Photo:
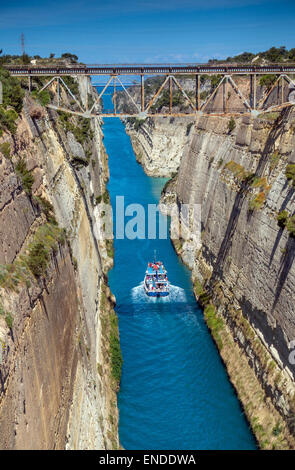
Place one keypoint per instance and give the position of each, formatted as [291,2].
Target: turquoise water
[174,392]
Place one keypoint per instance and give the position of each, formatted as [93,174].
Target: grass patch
[5,149]
[115,350]
[257,201]
[238,171]
[215,323]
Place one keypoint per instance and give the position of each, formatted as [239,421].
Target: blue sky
[146,31]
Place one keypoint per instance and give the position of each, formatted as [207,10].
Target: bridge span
[235,92]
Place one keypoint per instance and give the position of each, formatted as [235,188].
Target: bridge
[236,90]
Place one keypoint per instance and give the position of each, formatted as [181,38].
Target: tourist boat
[156,282]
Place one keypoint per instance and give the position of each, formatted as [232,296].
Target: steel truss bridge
[235,93]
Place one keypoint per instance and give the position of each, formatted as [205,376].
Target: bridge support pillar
[142,92]
[170,95]
[198,100]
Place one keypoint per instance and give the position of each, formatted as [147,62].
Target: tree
[71,57]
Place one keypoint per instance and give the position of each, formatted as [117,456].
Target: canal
[175,393]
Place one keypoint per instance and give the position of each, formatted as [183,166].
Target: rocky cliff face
[57,386]
[242,263]
[159,143]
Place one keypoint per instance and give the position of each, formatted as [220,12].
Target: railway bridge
[236,90]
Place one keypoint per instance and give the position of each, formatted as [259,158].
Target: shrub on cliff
[25,175]
[44,243]
[12,91]
[290,173]
[290,226]
[43,97]
[257,201]
[231,124]
[267,81]
[282,218]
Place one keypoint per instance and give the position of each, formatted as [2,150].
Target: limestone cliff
[57,385]
[158,143]
[242,264]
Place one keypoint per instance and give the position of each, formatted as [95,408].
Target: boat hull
[155,293]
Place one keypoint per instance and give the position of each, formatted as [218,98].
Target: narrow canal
[175,393]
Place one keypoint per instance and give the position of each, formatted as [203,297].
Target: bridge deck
[150,69]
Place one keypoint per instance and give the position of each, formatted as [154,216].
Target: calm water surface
[174,393]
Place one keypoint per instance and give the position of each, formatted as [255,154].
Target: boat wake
[177,294]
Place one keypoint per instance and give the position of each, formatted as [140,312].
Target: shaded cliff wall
[243,269]
[57,388]
[242,263]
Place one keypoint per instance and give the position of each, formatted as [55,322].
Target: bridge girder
[142,109]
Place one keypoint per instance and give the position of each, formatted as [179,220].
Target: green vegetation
[275,158]
[290,173]
[72,84]
[47,209]
[239,171]
[274,55]
[257,201]
[164,100]
[203,297]
[82,132]
[110,248]
[115,350]
[215,80]
[105,197]
[35,260]
[25,175]
[282,218]
[215,323]
[43,97]
[272,116]
[12,92]
[277,429]
[45,241]
[290,226]
[135,122]
[267,81]
[12,101]
[5,149]
[9,320]
[231,124]
[7,317]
